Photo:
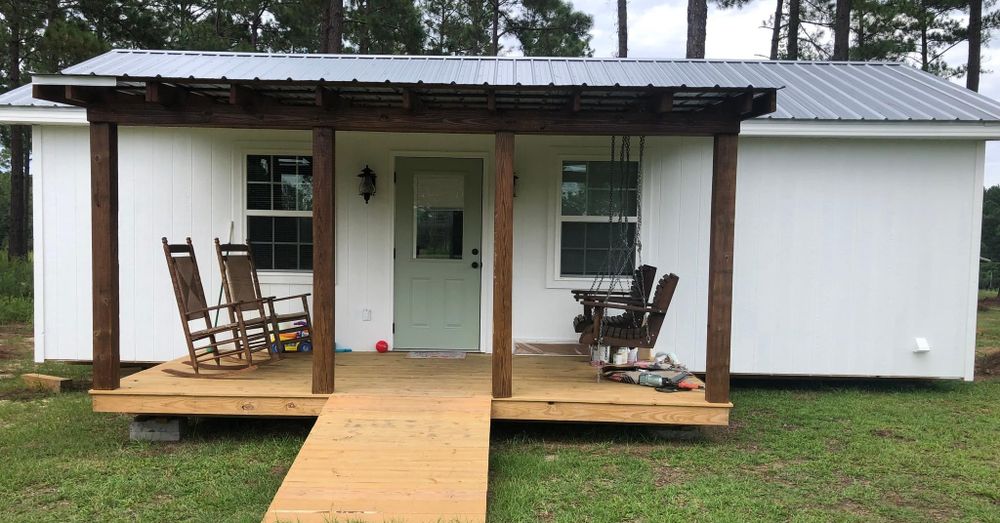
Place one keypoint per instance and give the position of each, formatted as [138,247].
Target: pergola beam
[463,121]
[104,253]
[324,259]
[720,268]
[503,259]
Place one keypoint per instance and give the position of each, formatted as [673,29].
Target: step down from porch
[390,458]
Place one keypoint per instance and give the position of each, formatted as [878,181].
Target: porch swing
[637,321]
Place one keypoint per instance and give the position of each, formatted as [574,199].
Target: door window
[438,216]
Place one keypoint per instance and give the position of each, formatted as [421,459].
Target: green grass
[796,451]
[15,290]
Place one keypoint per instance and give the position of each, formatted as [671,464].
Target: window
[438,216]
[592,192]
[279,211]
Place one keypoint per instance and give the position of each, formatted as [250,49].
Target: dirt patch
[890,434]
[24,395]
[988,365]
[665,475]
[15,341]
[279,470]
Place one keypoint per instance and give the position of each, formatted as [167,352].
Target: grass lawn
[803,451]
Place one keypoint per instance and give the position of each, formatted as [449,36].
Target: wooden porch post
[324,259]
[104,253]
[503,248]
[720,268]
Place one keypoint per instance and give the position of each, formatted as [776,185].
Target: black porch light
[367,186]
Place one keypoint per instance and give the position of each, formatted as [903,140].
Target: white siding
[845,250]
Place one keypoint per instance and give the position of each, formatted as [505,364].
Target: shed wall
[846,250]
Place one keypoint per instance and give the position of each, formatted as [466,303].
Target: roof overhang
[930,130]
[408,107]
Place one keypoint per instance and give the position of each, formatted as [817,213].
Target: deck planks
[390,458]
[548,388]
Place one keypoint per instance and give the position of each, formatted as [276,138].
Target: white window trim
[555,279]
[267,276]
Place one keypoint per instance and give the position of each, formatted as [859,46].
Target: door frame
[486,275]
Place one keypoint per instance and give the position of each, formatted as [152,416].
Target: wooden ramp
[390,458]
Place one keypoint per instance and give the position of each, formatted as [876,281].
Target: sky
[658,29]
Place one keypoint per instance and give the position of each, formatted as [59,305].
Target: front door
[438,253]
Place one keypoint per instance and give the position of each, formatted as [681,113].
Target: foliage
[990,246]
[15,290]
[553,28]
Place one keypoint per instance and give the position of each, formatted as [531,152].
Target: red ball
[382,346]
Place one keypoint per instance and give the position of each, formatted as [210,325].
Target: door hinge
[394,253]
[394,176]
[394,327]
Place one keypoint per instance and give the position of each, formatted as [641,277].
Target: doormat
[436,355]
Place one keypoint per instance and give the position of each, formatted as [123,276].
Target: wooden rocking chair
[638,293]
[239,279]
[240,337]
[642,335]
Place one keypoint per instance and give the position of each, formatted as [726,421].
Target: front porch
[545,388]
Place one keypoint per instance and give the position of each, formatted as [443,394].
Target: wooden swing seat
[650,315]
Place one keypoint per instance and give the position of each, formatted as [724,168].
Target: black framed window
[591,192]
[279,211]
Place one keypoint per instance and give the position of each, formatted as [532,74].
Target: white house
[856,233]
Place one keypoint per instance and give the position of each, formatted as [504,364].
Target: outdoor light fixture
[367,186]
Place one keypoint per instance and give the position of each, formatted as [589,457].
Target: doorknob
[475,265]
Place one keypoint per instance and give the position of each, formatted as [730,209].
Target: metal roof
[852,91]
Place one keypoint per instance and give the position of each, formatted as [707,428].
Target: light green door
[438,253]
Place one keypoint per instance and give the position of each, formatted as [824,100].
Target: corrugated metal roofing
[21,97]
[810,90]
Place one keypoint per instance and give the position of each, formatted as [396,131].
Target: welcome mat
[436,355]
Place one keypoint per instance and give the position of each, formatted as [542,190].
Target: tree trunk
[697,20]
[924,60]
[776,30]
[793,30]
[975,43]
[842,31]
[495,37]
[622,28]
[333,27]
[17,246]
[367,26]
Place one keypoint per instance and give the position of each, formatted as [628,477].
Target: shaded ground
[796,450]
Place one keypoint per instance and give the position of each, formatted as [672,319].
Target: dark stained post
[503,254]
[720,268]
[104,253]
[324,259]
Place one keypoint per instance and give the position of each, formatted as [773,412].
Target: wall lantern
[367,186]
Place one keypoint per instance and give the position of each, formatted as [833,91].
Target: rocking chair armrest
[622,306]
[598,292]
[292,297]
[221,306]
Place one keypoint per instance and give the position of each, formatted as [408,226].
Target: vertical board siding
[845,250]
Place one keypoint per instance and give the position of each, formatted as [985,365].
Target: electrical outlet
[366,315]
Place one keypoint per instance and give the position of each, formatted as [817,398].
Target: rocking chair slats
[240,282]
[239,337]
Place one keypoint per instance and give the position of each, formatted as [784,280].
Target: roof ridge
[634,59]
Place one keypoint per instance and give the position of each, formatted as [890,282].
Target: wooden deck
[390,458]
[545,388]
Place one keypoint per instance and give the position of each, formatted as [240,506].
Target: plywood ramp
[390,458]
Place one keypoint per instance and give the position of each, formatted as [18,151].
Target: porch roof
[826,91]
